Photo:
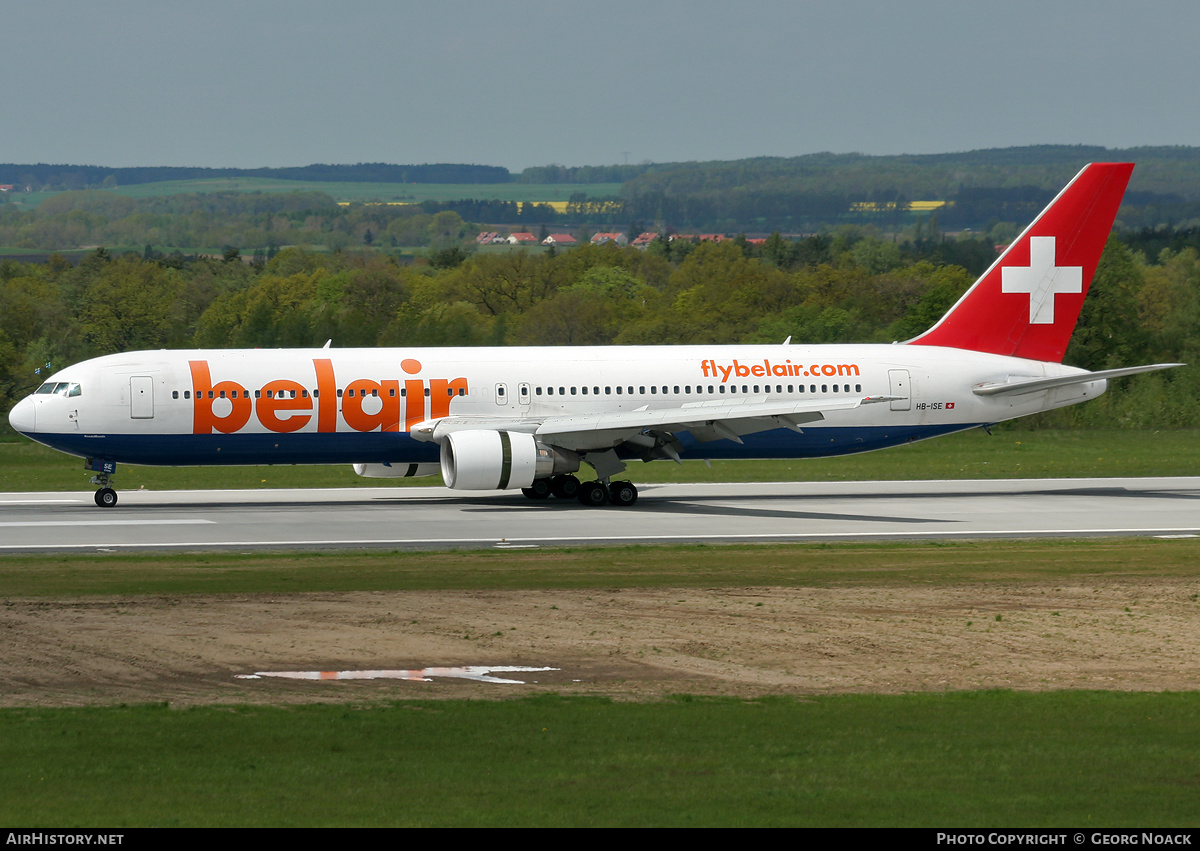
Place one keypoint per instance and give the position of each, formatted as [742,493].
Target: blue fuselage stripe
[175,450]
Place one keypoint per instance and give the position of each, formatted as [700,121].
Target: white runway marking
[478,673]
[41,501]
[26,524]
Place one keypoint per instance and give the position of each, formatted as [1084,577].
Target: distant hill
[970,189]
[42,175]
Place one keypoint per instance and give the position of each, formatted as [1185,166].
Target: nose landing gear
[106,497]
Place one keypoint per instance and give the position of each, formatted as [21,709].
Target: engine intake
[500,460]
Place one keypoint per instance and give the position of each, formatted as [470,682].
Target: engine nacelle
[500,460]
[396,471]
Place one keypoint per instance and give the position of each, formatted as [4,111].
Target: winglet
[1026,305]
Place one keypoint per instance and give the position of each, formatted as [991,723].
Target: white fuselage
[359,405]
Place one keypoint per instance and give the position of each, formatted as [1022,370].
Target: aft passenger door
[900,385]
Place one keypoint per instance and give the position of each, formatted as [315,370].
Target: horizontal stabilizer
[1033,385]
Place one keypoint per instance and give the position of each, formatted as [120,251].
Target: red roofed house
[523,238]
[618,238]
[559,239]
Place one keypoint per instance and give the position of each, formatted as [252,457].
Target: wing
[706,421]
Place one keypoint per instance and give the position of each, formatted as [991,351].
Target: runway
[435,517]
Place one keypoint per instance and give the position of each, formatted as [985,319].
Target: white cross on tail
[1041,280]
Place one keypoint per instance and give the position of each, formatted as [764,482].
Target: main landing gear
[592,494]
[106,497]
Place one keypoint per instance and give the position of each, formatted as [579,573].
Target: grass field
[927,564]
[991,758]
[346,191]
[26,466]
[962,759]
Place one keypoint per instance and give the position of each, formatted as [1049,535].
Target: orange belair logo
[766,369]
[285,406]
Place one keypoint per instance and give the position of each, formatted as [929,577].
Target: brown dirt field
[628,644]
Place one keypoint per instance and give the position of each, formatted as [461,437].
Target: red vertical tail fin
[1026,305]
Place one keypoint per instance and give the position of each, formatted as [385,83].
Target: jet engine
[500,460]
[396,471]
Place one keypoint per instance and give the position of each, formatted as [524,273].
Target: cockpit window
[60,388]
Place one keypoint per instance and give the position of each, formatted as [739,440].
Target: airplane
[529,418]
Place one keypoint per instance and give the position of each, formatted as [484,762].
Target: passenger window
[174,394]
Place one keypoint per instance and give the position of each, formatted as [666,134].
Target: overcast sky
[255,83]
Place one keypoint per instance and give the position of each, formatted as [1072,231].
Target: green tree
[1108,335]
[127,305]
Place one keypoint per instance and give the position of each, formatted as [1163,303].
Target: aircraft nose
[22,418]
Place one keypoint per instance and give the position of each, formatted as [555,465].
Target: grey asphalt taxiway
[435,517]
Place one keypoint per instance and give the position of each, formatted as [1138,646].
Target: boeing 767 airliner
[528,418]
